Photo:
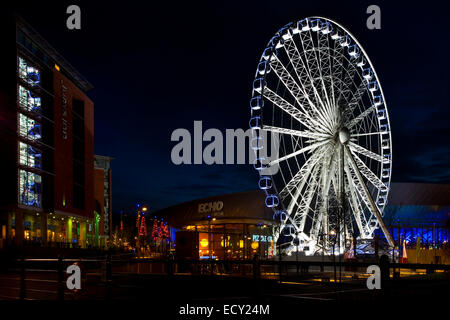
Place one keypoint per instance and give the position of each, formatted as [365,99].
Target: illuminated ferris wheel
[318,95]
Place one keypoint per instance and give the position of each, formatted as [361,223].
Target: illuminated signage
[262,238]
[210,207]
[64,110]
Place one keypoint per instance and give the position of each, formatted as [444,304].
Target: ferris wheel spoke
[298,181]
[359,192]
[329,163]
[344,93]
[304,134]
[366,134]
[365,152]
[294,112]
[356,98]
[358,212]
[356,120]
[312,61]
[336,70]
[367,173]
[324,53]
[374,208]
[294,89]
[303,209]
[302,72]
[296,153]
[312,64]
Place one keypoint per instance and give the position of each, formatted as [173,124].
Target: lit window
[28,100]
[29,156]
[29,128]
[29,74]
[29,188]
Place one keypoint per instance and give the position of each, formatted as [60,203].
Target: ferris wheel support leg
[374,207]
[342,228]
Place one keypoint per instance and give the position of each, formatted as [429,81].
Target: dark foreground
[175,295]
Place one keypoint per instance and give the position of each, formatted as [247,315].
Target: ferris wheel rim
[369,62]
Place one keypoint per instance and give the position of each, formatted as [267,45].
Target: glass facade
[29,156]
[30,183]
[29,128]
[28,73]
[29,188]
[28,100]
[234,241]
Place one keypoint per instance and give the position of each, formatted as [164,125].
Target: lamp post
[333,242]
[297,242]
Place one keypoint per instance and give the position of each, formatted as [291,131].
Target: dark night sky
[156,67]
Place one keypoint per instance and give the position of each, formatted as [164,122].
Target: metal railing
[45,278]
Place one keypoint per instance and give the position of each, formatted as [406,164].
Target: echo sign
[210,207]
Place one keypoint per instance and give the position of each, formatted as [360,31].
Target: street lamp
[333,242]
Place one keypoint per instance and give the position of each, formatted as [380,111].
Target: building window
[29,128]
[29,188]
[29,156]
[28,100]
[28,73]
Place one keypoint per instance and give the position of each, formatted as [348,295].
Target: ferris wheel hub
[344,135]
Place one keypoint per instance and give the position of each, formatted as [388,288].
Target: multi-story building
[47,144]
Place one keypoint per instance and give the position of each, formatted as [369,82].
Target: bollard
[170,265]
[256,267]
[108,291]
[22,278]
[384,270]
[60,279]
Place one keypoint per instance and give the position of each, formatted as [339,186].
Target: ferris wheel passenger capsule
[289,230]
[386,158]
[255,123]
[256,143]
[381,114]
[259,84]
[386,173]
[361,62]
[265,182]
[280,215]
[377,101]
[336,34]
[373,86]
[353,51]
[382,200]
[263,67]
[275,42]
[285,33]
[316,24]
[259,165]
[327,27]
[344,41]
[256,103]
[272,201]
[385,144]
[367,74]
[384,187]
[304,25]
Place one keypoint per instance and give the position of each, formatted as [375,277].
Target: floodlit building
[238,225]
[419,210]
[47,143]
[230,226]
